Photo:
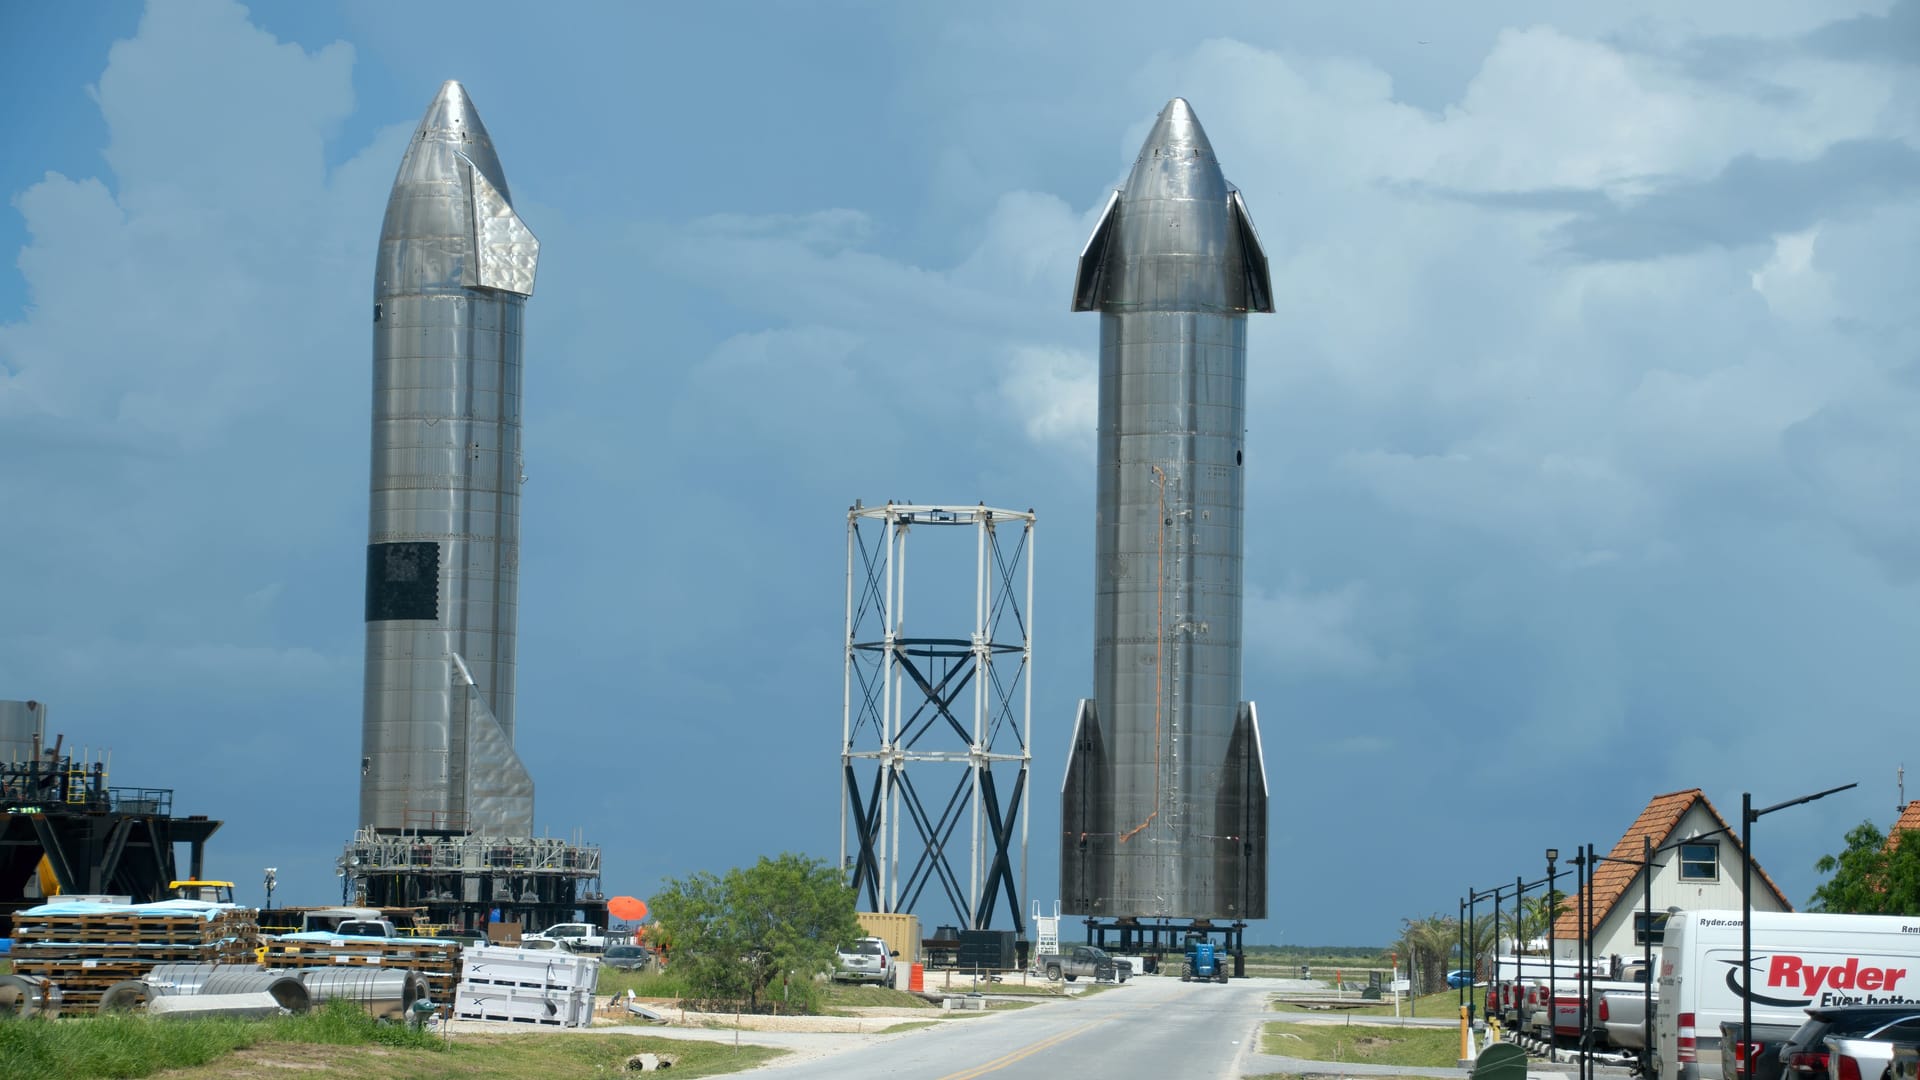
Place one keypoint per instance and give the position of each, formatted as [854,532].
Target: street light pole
[1748,815]
[1587,1066]
[1579,947]
[1646,945]
[1553,967]
[1473,943]
[1462,921]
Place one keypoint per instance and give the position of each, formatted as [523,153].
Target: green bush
[758,935]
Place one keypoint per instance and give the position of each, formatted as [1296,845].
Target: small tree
[1432,939]
[778,920]
[1871,876]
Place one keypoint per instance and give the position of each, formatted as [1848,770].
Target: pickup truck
[366,928]
[1566,1010]
[1868,1059]
[1763,1048]
[1081,960]
[1623,1016]
[576,937]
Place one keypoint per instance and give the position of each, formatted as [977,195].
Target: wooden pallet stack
[436,961]
[85,953]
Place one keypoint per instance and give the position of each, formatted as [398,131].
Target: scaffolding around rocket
[1164,803]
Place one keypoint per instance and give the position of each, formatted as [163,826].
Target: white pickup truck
[1619,1009]
[1869,1059]
[576,937]
[1623,1016]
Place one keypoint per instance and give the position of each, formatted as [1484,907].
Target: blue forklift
[1202,961]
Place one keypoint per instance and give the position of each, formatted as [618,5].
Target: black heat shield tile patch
[403,581]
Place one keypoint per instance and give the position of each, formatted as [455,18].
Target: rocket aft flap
[1164,805]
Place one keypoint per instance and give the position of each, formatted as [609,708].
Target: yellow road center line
[1024,1052]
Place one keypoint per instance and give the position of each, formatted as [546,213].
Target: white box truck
[1798,960]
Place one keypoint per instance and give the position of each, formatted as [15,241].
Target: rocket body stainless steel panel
[22,725]
[455,267]
[1165,798]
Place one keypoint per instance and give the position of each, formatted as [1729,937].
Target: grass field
[1365,1044]
[1445,1003]
[838,996]
[340,1041]
[481,1057]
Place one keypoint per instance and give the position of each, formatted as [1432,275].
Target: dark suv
[1805,1053]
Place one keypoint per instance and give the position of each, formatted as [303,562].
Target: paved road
[1147,1029]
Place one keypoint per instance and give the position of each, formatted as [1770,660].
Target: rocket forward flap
[499,791]
[1242,807]
[506,253]
[1086,817]
[1090,285]
[1259,280]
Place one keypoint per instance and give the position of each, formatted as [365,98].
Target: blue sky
[1584,449]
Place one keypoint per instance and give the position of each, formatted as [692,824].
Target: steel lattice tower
[920,709]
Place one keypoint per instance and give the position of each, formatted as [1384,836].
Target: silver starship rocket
[455,268]
[1164,805]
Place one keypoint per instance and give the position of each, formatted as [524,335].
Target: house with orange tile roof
[1696,864]
[1909,819]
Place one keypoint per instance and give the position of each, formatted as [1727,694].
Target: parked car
[1459,979]
[1804,1055]
[864,960]
[626,958]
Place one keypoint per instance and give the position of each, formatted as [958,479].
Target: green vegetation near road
[839,996]
[1285,961]
[651,983]
[127,1046]
[757,934]
[1372,1044]
[340,1042]
[1327,1076]
[1444,1003]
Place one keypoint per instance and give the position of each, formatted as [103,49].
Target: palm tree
[1536,912]
[1429,942]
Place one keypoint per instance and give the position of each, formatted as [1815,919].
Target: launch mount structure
[919,707]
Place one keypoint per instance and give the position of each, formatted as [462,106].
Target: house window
[1699,862]
[1642,920]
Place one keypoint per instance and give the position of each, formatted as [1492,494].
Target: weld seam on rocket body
[1159,646]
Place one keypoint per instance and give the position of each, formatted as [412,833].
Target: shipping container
[900,931]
